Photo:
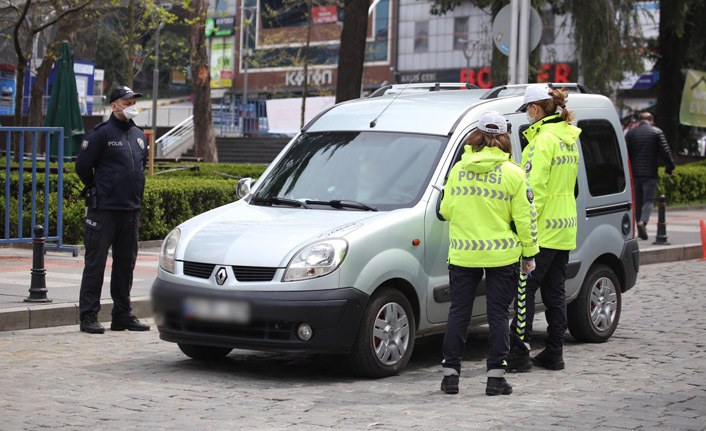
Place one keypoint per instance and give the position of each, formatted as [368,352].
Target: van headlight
[316,260]
[166,254]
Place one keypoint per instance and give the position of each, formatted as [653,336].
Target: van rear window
[601,155]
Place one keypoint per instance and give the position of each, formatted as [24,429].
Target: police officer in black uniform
[111,165]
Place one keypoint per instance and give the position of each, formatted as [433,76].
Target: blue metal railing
[244,119]
[9,237]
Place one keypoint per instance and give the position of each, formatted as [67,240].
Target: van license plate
[226,311]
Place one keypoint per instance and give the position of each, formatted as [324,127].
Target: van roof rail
[496,92]
[430,86]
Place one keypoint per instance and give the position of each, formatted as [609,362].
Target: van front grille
[198,269]
[254,273]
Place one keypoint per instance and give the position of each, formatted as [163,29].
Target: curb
[154,243]
[670,253]
[43,316]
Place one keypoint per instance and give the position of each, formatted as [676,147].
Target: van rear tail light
[632,191]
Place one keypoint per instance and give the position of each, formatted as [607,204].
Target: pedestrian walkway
[63,276]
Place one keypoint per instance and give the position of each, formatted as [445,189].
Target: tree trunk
[671,80]
[130,54]
[351,55]
[36,103]
[204,142]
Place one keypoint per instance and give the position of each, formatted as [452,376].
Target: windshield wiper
[338,204]
[279,201]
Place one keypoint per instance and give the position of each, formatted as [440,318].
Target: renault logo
[221,276]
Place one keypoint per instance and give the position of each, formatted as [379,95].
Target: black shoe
[90,325]
[497,386]
[518,360]
[130,323]
[642,230]
[450,384]
[551,359]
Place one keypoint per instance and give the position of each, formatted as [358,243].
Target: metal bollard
[661,237]
[38,286]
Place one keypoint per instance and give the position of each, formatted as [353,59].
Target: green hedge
[169,199]
[687,186]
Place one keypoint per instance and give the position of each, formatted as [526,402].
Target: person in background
[481,240]
[550,161]
[646,143]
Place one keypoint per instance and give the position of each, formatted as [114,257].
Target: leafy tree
[605,48]
[681,45]
[131,22]
[204,141]
[28,21]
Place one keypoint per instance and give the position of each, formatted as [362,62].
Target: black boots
[90,325]
[518,360]
[128,322]
[450,384]
[551,359]
[497,386]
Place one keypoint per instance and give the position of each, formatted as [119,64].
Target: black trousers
[501,283]
[549,278]
[645,189]
[105,229]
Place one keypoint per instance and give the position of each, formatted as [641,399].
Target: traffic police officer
[550,161]
[111,165]
[484,194]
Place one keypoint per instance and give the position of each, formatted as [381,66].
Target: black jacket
[645,144]
[113,158]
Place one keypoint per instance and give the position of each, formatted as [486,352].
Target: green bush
[169,199]
[687,186]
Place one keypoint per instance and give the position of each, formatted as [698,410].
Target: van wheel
[385,336]
[594,315]
[204,353]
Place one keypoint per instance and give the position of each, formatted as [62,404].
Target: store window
[460,33]
[548,28]
[421,36]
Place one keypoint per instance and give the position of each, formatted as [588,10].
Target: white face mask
[530,118]
[130,112]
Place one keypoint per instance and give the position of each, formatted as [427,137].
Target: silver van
[339,246]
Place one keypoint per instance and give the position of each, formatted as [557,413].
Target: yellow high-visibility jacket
[484,193]
[551,162]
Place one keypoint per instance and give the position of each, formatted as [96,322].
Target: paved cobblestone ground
[651,375]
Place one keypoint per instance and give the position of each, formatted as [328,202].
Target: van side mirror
[438,202]
[243,187]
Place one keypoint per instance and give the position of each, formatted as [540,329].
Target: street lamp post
[155,91]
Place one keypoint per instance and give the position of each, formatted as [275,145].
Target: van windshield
[352,170]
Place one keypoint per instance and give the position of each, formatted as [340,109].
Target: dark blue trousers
[106,229]
[501,283]
[548,278]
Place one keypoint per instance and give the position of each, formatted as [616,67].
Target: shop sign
[324,15]
[224,26]
[314,77]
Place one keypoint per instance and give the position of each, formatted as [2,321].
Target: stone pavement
[651,375]
[63,276]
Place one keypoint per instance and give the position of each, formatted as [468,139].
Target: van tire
[600,293]
[392,307]
[204,353]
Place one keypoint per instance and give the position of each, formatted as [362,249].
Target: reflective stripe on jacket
[551,161]
[484,193]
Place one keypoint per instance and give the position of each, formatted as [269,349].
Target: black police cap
[123,92]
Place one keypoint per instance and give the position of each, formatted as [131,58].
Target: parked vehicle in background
[339,246]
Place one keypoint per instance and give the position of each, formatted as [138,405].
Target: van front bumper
[274,316]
